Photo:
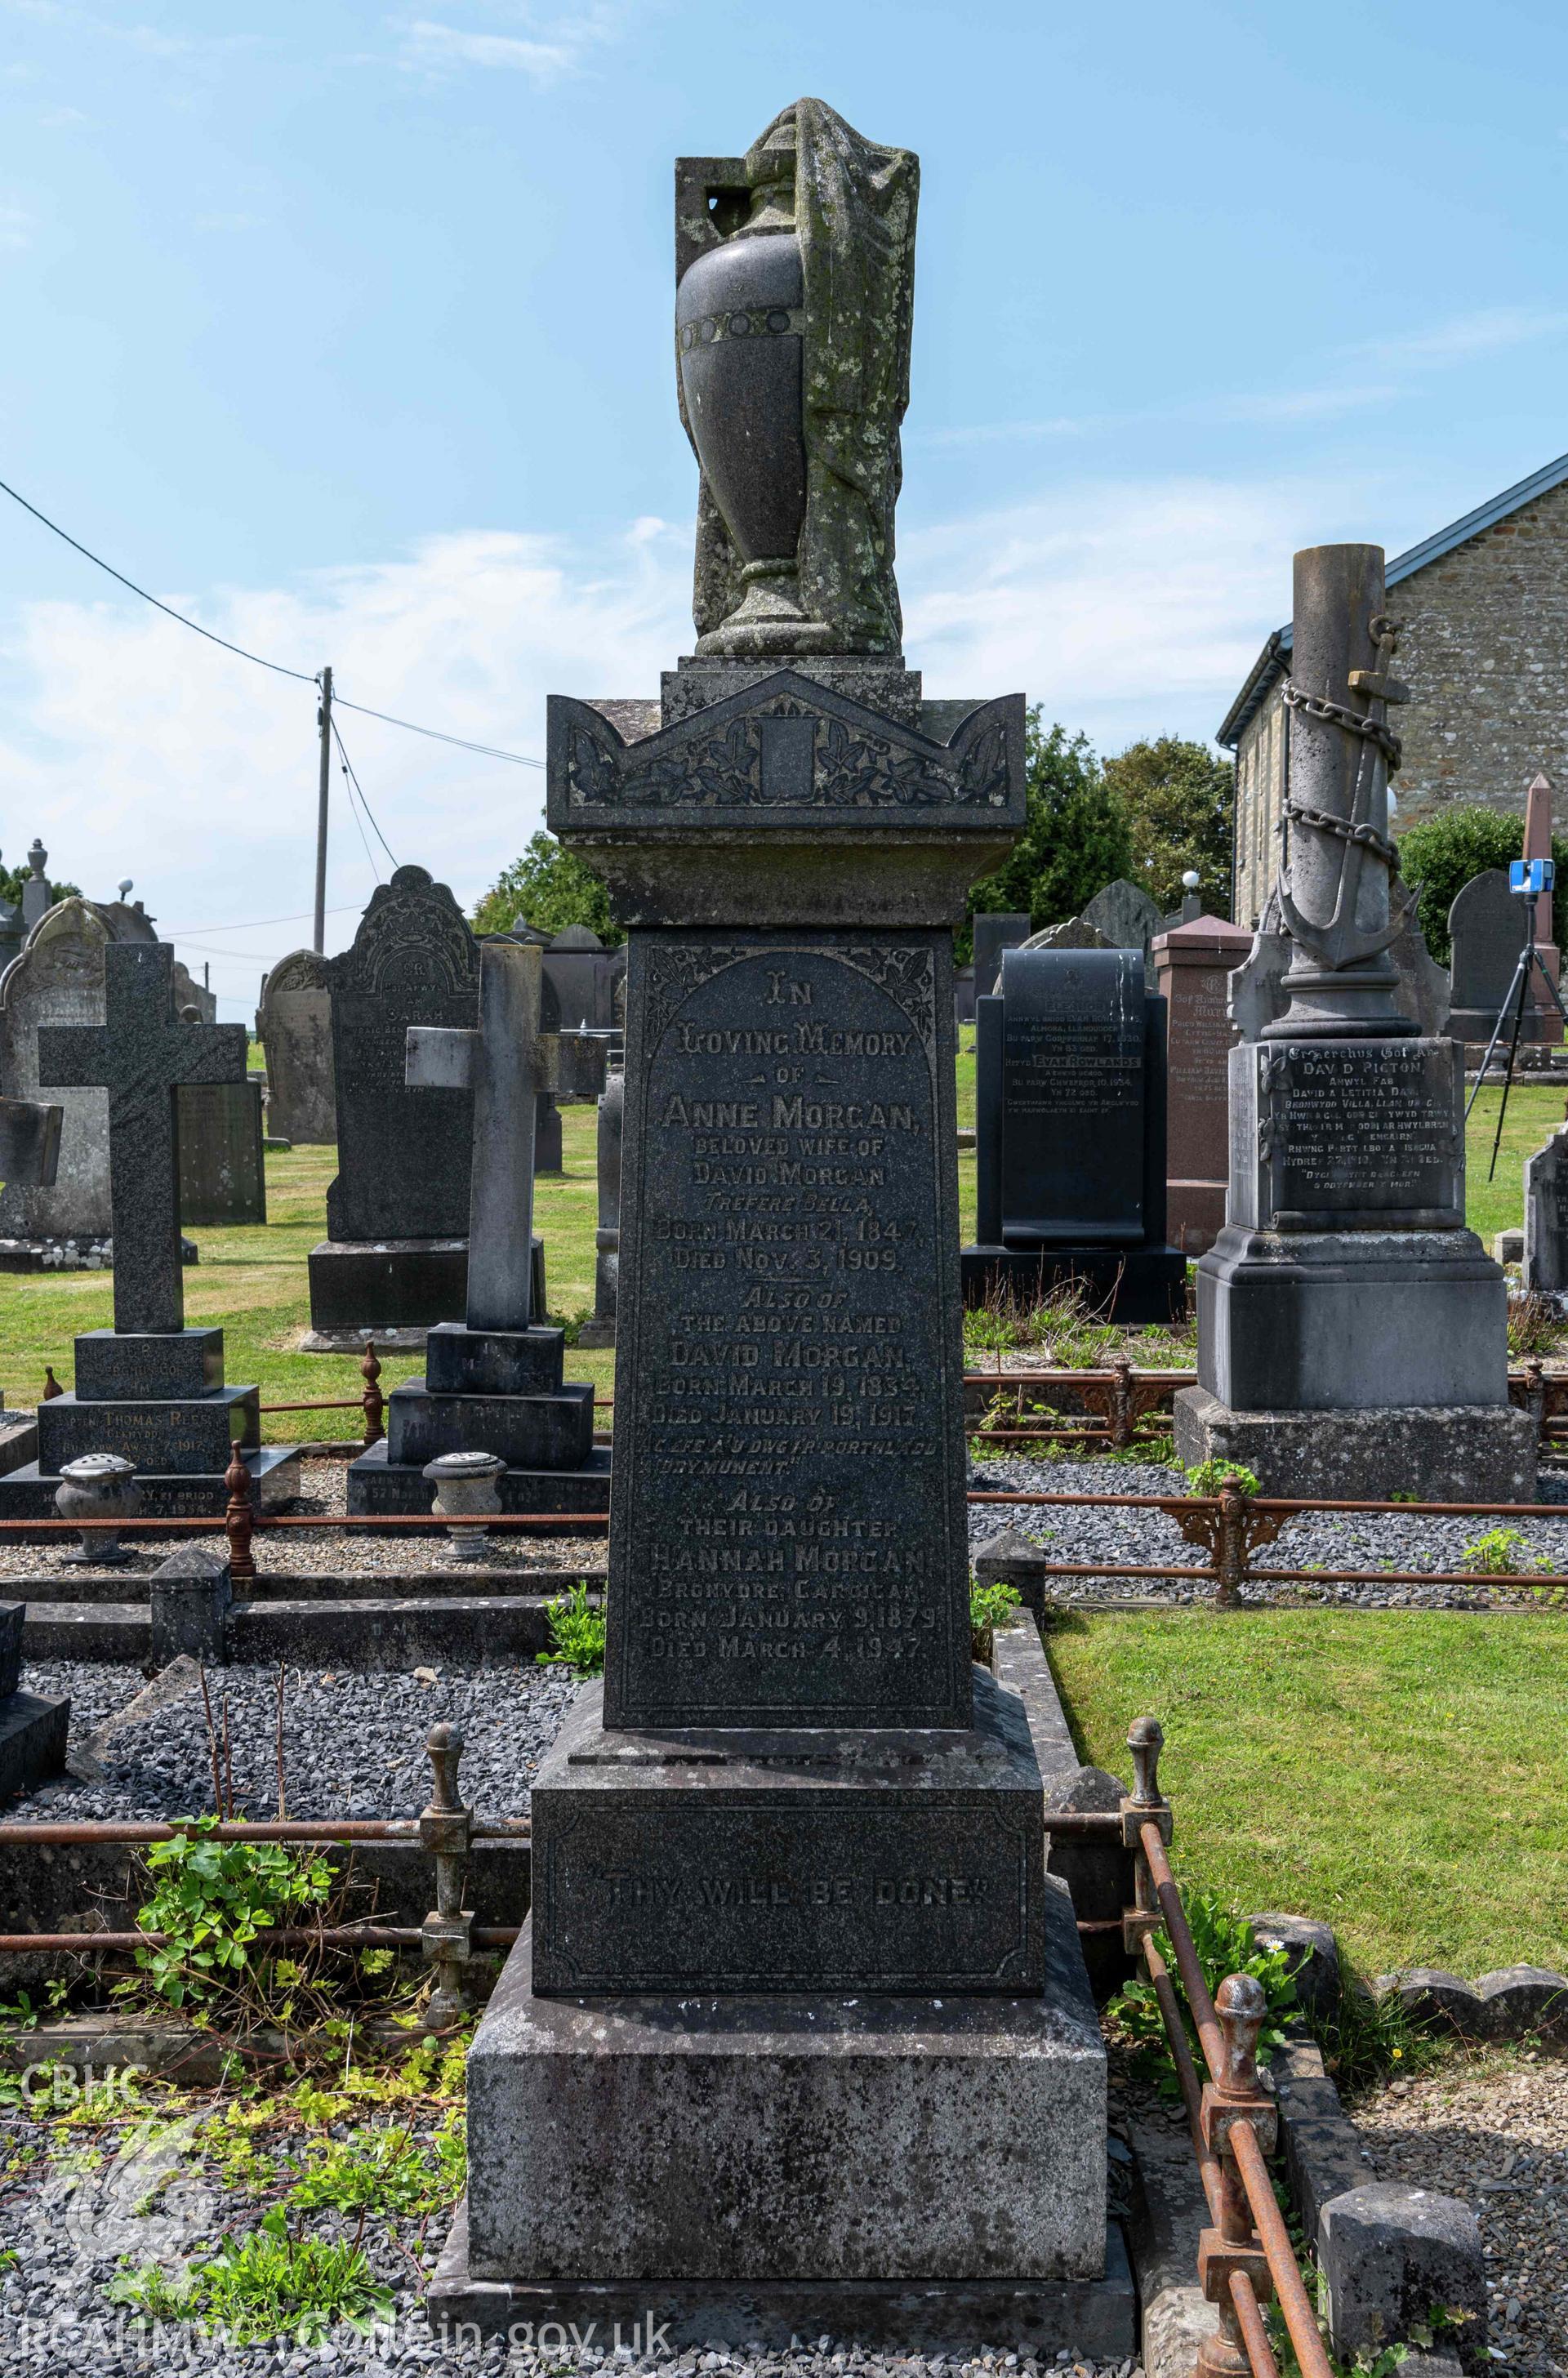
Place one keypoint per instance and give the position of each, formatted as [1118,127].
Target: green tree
[549,887]
[1179,800]
[13,878]
[1076,840]
[1439,856]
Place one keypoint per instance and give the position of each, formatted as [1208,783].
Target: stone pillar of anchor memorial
[1352,1332]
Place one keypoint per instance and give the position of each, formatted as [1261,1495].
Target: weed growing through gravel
[1208,1477]
[576,1627]
[1535,1326]
[1501,1551]
[265,2285]
[990,1606]
[386,2172]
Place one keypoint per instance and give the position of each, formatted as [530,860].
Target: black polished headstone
[1347,1134]
[1073,1096]
[996,931]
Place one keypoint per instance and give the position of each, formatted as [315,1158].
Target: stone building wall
[1484,650]
[1259,808]
[1485,655]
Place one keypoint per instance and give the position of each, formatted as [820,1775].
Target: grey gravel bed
[354,1745]
[323,1489]
[1331,1540]
[70,2231]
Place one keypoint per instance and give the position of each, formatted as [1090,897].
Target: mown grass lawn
[1400,1774]
[253,1283]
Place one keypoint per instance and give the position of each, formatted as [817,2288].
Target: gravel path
[325,1489]
[354,1745]
[1329,1540]
[1496,2134]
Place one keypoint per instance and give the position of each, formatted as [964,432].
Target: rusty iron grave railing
[1122,1396]
[1245,2258]
[1229,1527]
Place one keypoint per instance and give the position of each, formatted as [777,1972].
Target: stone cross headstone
[1486,925]
[141,1055]
[994,931]
[1125,914]
[1546,1214]
[1192,968]
[293,1023]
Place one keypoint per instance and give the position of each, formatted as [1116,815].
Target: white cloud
[135,750]
[1481,333]
[62,119]
[16,228]
[562,46]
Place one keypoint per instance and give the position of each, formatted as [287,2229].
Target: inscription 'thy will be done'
[789,1527]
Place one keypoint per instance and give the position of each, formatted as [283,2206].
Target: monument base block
[389,1488]
[1042,2317]
[29,1492]
[1129,1285]
[33,1742]
[878,1859]
[1440,1453]
[784,2138]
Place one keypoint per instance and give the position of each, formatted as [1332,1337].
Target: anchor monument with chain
[1352,1331]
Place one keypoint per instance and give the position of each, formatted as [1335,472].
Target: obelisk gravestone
[1352,1333]
[791,1925]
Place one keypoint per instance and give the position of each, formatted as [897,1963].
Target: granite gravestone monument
[1125,914]
[993,933]
[1192,968]
[1546,1216]
[493,1383]
[150,1389]
[601,1329]
[1352,1332]
[1486,925]
[293,1023]
[395,1257]
[33,1730]
[1070,1137]
[789,1912]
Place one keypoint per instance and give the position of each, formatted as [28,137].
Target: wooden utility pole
[325,719]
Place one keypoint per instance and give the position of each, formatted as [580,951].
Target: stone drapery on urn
[795,283]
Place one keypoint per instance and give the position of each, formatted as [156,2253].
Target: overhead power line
[348,770]
[301,677]
[300,916]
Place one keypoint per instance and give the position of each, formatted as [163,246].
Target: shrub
[1440,856]
[212,1898]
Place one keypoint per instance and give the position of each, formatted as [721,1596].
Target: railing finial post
[446,1831]
[239,1521]
[373,1402]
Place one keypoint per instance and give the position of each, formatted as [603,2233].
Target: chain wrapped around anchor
[1337,943]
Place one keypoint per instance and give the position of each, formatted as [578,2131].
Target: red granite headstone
[1191,963]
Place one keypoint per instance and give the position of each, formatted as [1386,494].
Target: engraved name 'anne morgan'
[792,1363]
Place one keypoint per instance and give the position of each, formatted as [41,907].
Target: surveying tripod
[1528,878]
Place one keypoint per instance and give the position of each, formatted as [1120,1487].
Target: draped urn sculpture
[795,275]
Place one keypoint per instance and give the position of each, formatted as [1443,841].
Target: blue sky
[348,330]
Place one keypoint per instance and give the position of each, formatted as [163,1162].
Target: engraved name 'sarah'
[790,1363]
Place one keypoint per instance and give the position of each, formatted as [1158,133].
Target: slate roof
[1270,665]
